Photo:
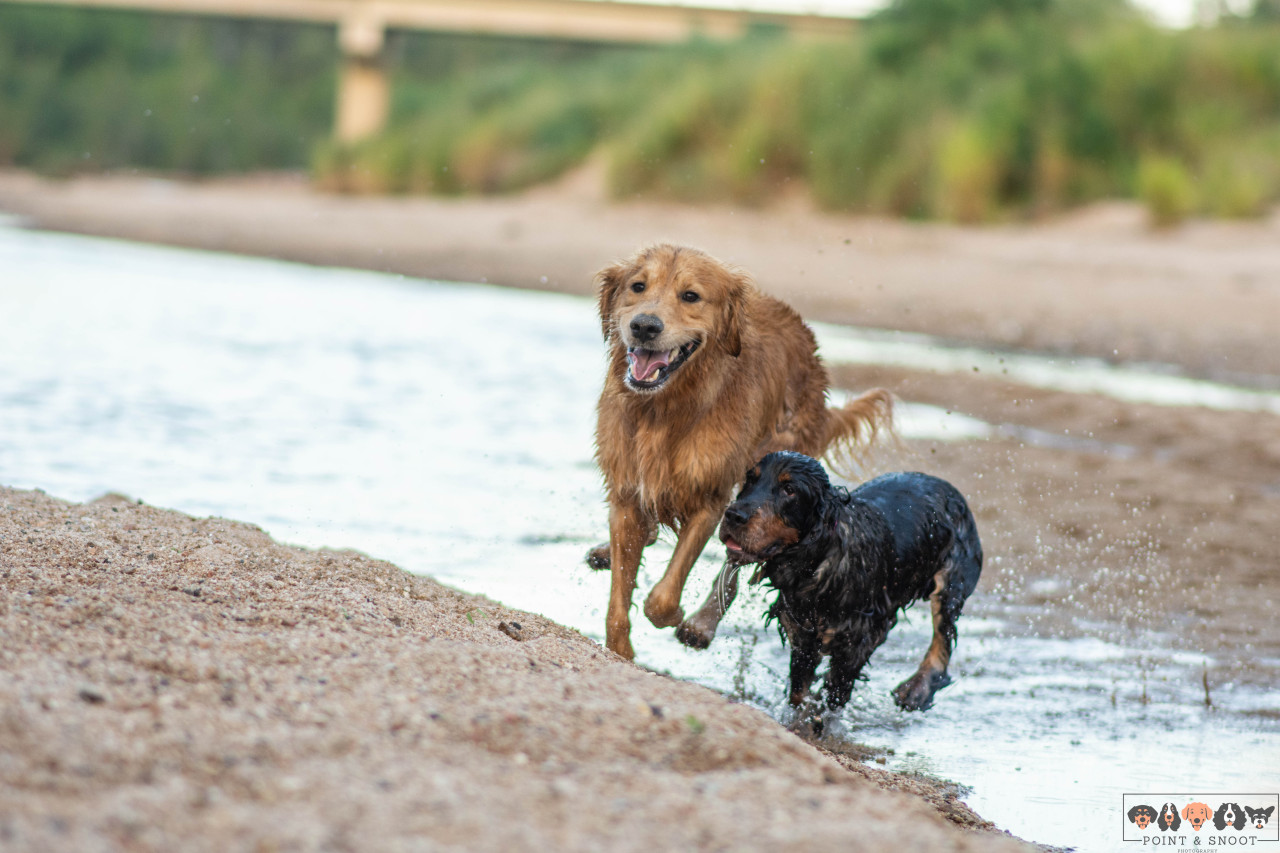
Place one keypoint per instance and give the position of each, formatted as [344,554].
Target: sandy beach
[170,681]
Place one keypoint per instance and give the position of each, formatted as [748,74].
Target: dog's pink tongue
[645,362]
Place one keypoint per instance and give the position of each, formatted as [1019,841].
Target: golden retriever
[706,375]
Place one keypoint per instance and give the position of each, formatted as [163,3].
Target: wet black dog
[845,563]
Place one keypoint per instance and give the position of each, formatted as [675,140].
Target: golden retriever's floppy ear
[608,280]
[735,309]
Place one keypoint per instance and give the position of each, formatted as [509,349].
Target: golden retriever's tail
[854,427]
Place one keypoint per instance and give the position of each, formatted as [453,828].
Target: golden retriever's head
[665,307]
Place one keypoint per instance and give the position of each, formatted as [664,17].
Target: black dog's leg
[805,656]
[847,661]
[951,586]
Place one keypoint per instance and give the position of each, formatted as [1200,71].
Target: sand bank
[178,683]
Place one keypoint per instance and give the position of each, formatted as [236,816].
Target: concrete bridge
[363,97]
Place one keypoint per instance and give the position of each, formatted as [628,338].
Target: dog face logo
[1259,817]
[1229,814]
[1197,814]
[1169,820]
[1142,816]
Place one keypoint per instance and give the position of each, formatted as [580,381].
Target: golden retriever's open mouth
[649,370]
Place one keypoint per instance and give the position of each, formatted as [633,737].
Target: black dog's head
[1169,819]
[781,500]
[1260,816]
[1229,814]
[1142,816]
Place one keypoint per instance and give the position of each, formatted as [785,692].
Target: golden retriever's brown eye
[637,287]
[690,296]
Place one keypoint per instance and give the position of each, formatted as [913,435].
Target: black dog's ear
[608,282]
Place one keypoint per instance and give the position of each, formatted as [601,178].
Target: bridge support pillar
[364,94]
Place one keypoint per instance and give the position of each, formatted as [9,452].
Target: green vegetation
[98,90]
[969,110]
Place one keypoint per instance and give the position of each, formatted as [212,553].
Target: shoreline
[169,678]
[1096,282]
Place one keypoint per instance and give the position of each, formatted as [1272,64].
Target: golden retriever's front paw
[662,611]
[694,636]
[598,558]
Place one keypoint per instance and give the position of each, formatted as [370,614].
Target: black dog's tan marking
[845,563]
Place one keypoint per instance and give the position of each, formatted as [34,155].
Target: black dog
[844,563]
[1169,819]
[1229,814]
[1260,816]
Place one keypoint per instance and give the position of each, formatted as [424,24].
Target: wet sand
[1151,523]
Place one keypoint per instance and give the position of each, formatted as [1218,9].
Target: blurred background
[958,110]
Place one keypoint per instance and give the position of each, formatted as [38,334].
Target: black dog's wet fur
[860,558]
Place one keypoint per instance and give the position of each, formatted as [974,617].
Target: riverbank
[1096,282]
[177,682]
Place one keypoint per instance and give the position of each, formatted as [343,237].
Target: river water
[448,428]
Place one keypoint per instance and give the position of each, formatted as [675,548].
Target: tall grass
[969,110]
[92,90]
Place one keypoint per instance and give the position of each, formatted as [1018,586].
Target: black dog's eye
[690,296]
[788,490]
[637,287]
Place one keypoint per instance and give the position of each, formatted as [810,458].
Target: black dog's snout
[735,515]
[645,327]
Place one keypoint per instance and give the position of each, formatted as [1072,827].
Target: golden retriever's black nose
[645,327]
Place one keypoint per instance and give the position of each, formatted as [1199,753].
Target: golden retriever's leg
[699,630]
[629,530]
[663,605]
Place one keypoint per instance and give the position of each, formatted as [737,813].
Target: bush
[1165,188]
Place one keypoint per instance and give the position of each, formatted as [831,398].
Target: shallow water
[447,428]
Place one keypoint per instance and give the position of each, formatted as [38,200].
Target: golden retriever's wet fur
[719,375]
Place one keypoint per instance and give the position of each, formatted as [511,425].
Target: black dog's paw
[916,693]
[692,636]
[805,722]
[598,558]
